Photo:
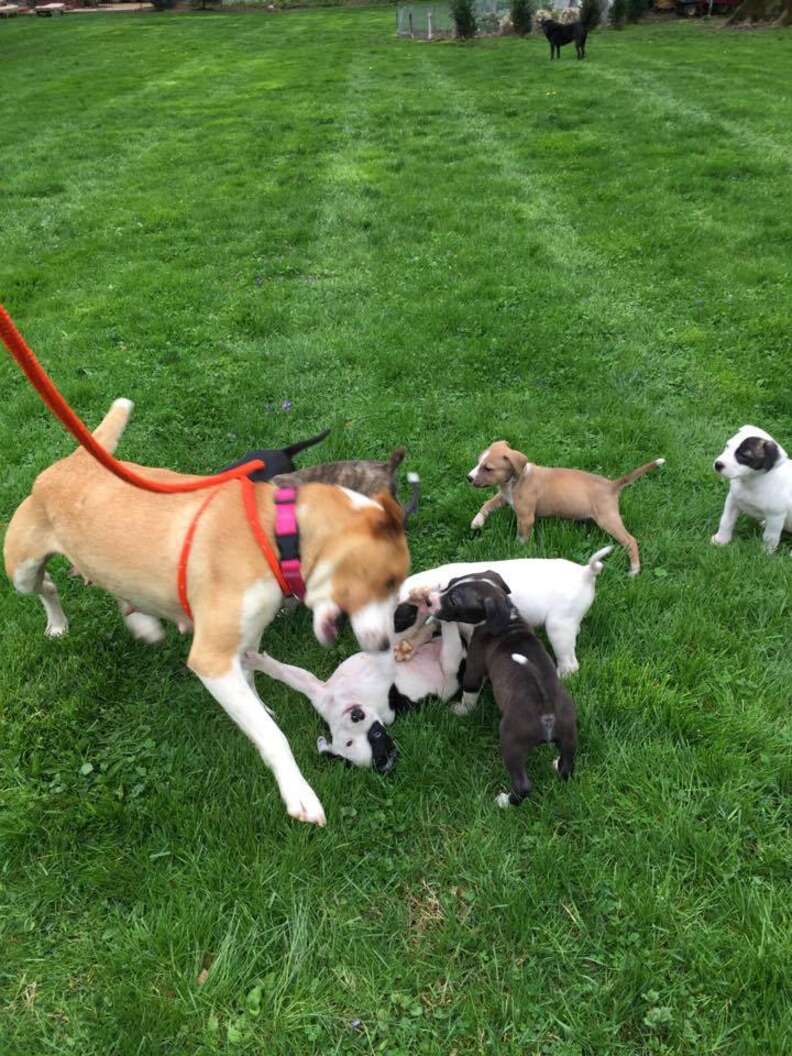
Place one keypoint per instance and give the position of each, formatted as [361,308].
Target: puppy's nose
[718,466]
[471,476]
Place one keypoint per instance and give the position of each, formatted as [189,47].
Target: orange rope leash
[40,381]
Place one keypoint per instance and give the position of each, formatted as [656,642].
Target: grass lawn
[431,246]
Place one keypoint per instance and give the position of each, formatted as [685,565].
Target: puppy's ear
[404,617]
[771,454]
[498,614]
[499,581]
[516,459]
[389,521]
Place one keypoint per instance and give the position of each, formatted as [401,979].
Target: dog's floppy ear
[517,460]
[771,453]
[405,616]
[391,520]
[498,615]
[498,580]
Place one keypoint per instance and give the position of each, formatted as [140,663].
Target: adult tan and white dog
[353,551]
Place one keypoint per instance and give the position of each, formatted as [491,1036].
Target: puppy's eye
[357,715]
[349,744]
[390,584]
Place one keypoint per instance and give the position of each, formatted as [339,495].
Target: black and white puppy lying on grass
[534,705]
[366,692]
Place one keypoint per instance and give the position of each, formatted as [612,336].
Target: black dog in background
[534,704]
[561,33]
[276,460]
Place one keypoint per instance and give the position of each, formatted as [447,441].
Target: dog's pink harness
[287,539]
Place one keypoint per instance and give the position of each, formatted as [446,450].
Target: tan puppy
[540,491]
[128,541]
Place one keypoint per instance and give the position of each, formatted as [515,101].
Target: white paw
[503,801]
[555,763]
[567,669]
[144,628]
[634,571]
[303,804]
[719,540]
[477,522]
[56,630]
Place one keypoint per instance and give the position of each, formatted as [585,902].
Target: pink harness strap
[287,538]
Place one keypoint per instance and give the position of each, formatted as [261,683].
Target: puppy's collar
[287,539]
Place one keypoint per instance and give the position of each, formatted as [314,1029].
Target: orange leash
[251,512]
[40,381]
[44,386]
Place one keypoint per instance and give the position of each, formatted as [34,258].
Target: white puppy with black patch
[366,692]
[760,485]
[547,592]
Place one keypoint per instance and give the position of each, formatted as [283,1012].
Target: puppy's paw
[720,540]
[302,804]
[503,800]
[403,651]
[419,596]
[477,523]
[56,629]
[568,668]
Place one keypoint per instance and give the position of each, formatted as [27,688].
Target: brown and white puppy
[541,491]
[366,476]
[535,707]
[128,541]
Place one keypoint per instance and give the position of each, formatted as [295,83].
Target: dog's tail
[395,460]
[415,495]
[628,478]
[112,426]
[594,565]
[295,449]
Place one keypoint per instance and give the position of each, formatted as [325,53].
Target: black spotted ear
[405,616]
[771,454]
[498,614]
[357,715]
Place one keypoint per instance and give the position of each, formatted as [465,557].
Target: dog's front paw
[503,799]
[567,668]
[303,804]
[720,540]
[403,651]
[477,523]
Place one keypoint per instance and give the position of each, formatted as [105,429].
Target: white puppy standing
[760,485]
[547,592]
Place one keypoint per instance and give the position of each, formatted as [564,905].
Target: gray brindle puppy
[535,707]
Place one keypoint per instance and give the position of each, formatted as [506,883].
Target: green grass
[431,246]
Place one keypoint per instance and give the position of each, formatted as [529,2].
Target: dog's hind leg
[610,521]
[513,752]
[28,545]
[141,626]
[563,636]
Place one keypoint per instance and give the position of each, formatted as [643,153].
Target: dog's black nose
[470,477]
[718,467]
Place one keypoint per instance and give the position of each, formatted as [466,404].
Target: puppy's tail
[295,449]
[594,565]
[112,426]
[629,478]
[395,460]
[415,495]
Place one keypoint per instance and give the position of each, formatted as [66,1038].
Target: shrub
[617,12]
[161,5]
[590,13]
[464,18]
[521,16]
[636,9]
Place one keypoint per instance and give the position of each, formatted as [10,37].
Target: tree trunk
[777,11]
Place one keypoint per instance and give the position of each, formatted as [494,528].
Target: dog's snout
[718,466]
[471,476]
